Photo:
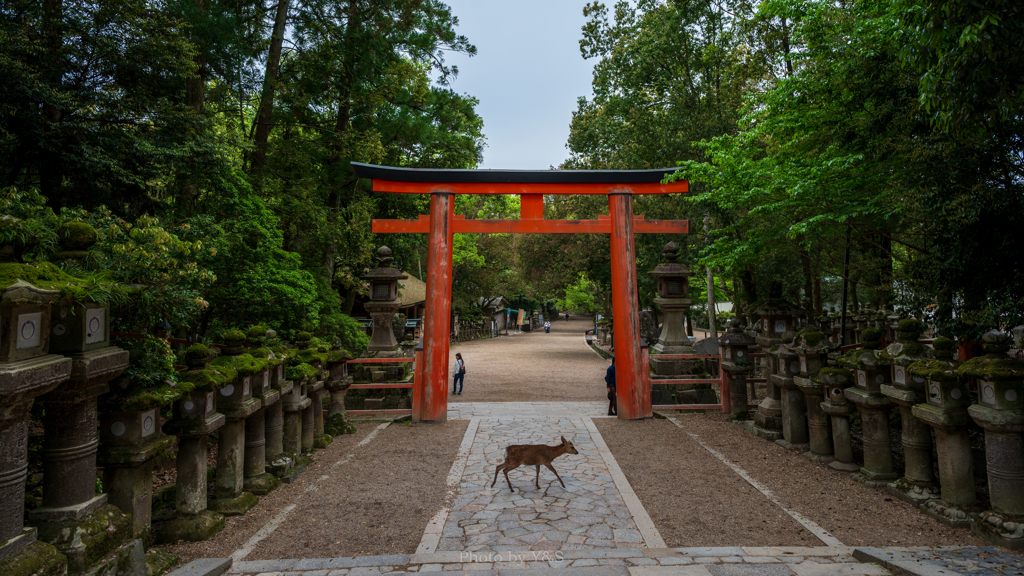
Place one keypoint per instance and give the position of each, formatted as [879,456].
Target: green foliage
[579,297]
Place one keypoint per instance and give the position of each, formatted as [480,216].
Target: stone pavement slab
[589,512]
[467,410]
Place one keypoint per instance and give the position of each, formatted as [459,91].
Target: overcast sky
[527,74]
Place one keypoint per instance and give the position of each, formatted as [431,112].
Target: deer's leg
[536,480]
[496,470]
[552,468]
[507,468]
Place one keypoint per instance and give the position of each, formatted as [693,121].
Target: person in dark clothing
[609,379]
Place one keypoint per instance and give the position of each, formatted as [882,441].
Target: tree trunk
[259,154]
[51,167]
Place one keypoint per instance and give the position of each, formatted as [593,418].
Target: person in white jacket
[460,374]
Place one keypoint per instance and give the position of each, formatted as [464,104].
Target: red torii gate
[430,393]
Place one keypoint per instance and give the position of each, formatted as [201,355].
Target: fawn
[533,455]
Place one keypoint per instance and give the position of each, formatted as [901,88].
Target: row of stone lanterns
[815,403]
[60,355]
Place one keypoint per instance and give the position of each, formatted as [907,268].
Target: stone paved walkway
[588,513]
[529,410]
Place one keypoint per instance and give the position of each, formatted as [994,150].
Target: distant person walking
[609,379]
[460,374]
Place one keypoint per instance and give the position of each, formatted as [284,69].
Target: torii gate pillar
[632,399]
[432,405]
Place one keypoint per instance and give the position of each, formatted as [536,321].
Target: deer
[533,455]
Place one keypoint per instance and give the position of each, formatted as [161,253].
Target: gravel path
[853,513]
[376,503]
[693,498]
[532,366]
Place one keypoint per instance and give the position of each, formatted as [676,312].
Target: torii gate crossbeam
[430,395]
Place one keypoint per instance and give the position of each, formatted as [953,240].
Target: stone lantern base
[34,559]
[999,529]
[191,527]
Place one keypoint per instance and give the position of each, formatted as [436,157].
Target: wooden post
[725,389]
[417,383]
[434,401]
[645,391]
[628,362]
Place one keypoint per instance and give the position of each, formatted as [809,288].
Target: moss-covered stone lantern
[870,372]
[812,350]
[194,417]
[27,370]
[774,319]
[674,301]
[834,383]
[736,363]
[918,482]
[1000,411]
[794,411]
[945,410]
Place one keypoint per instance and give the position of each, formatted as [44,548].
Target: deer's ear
[563,440]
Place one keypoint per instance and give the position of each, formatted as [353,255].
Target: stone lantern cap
[384,270]
[670,267]
[811,342]
[995,365]
[735,334]
[673,277]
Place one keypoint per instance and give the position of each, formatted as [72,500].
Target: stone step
[711,561]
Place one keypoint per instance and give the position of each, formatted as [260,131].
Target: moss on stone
[210,378]
[337,356]
[910,326]
[197,355]
[812,339]
[159,562]
[36,559]
[243,364]
[256,333]
[47,276]
[871,338]
[234,338]
[77,236]
[300,371]
[834,376]
[935,370]
[148,398]
[307,356]
[989,368]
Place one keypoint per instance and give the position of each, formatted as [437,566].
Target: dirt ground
[853,513]
[379,502]
[532,366]
[693,498]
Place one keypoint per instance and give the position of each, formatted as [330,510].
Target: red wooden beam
[379,360]
[536,226]
[531,206]
[528,188]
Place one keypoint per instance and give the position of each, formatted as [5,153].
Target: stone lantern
[775,318]
[673,299]
[194,417]
[277,463]
[736,364]
[235,401]
[1000,411]
[870,373]
[794,411]
[834,383]
[257,479]
[906,391]
[812,351]
[383,302]
[945,410]
[27,370]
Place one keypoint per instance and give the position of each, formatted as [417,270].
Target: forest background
[208,142]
